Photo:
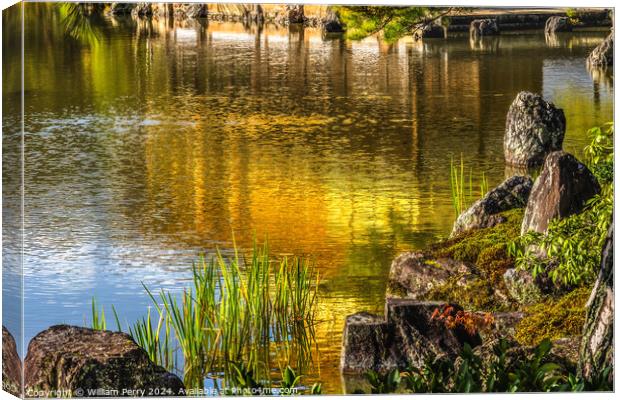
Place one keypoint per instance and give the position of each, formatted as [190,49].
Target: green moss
[485,248]
[554,319]
[476,295]
[470,245]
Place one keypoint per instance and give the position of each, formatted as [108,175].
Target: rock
[567,350]
[414,322]
[534,128]
[331,23]
[521,286]
[558,24]
[407,336]
[603,54]
[512,193]
[193,10]
[80,360]
[11,365]
[365,338]
[562,189]
[597,345]
[415,274]
[121,8]
[483,27]
[504,325]
[430,31]
[142,10]
[514,352]
[295,13]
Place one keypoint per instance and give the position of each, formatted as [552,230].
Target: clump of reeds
[157,342]
[236,311]
[463,193]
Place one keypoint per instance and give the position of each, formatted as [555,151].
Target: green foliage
[554,319]
[393,22]
[463,195]
[506,369]
[157,343]
[383,383]
[290,380]
[77,20]
[316,389]
[600,153]
[243,378]
[431,377]
[234,319]
[573,15]
[244,381]
[236,312]
[98,318]
[570,251]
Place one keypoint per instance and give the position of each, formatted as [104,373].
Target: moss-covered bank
[487,250]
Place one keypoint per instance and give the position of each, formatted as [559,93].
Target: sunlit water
[161,141]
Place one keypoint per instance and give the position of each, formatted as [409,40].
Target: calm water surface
[160,141]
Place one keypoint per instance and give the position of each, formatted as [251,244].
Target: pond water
[160,141]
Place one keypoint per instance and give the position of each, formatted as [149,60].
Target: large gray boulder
[558,24]
[87,362]
[413,275]
[561,190]
[484,213]
[483,27]
[534,128]
[406,336]
[603,55]
[597,345]
[11,365]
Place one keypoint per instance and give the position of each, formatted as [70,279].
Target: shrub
[572,246]
[507,369]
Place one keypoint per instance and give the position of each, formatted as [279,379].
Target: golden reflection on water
[165,138]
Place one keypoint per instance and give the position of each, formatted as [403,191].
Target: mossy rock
[554,319]
[85,362]
[487,249]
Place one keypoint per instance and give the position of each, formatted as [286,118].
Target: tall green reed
[256,313]
[462,191]
[244,311]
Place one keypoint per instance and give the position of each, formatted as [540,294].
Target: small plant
[470,373]
[471,322]
[316,389]
[98,318]
[572,15]
[432,377]
[157,345]
[243,378]
[290,380]
[463,194]
[383,383]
